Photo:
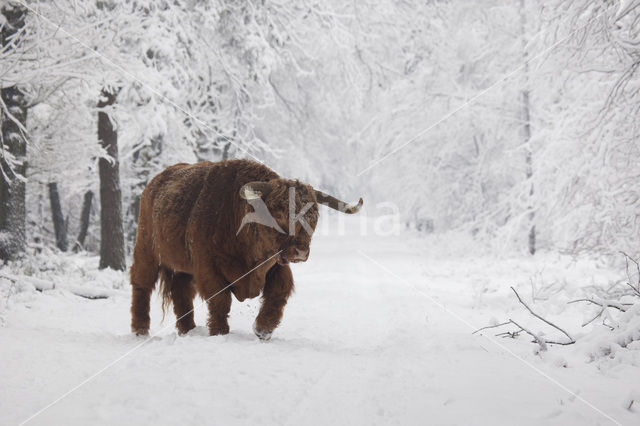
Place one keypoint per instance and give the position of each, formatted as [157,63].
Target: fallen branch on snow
[622,307]
[603,312]
[37,283]
[604,304]
[43,285]
[571,340]
[542,342]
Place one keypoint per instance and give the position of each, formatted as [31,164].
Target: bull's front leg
[211,287]
[277,288]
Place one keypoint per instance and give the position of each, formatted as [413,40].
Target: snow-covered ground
[379,331]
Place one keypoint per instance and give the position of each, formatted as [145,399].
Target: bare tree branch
[594,318]
[622,307]
[542,319]
[491,326]
[537,339]
[636,287]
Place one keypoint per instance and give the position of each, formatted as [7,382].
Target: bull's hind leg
[211,288]
[277,288]
[182,293]
[144,273]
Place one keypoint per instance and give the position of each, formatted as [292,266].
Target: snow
[379,331]
[625,6]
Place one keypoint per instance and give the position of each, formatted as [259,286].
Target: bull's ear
[255,190]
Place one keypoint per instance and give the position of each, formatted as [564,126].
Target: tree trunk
[225,153]
[145,163]
[13,157]
[526,128]
[57,217]
[84,221]
[111,230]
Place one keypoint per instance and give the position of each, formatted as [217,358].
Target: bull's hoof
[140,331]
[140,326]
[264,335]
[218,331]
[184,331]
[184,328]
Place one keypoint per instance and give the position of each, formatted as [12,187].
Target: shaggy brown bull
[217,229]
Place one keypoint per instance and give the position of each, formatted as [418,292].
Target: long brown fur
[189,216]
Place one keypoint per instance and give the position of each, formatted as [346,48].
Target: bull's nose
[302,254]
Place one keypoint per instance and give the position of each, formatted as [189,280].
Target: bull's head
[290,209]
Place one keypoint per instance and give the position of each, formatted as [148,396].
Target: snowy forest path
[357,346]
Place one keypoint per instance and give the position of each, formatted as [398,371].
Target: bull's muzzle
[293,255]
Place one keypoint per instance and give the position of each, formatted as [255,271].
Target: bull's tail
[165,287]
[174,286]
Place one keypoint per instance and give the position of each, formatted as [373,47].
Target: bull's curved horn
[336,204]
[257,189]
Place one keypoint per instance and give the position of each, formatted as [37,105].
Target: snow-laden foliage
[620,345]
[415,103]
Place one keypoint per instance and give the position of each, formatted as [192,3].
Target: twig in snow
[604,304]
[622,307]
[510,334]
[491,326]
[636,287]
[537,339]
[513,334]
[586,323]
[540,340]
[571,340]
